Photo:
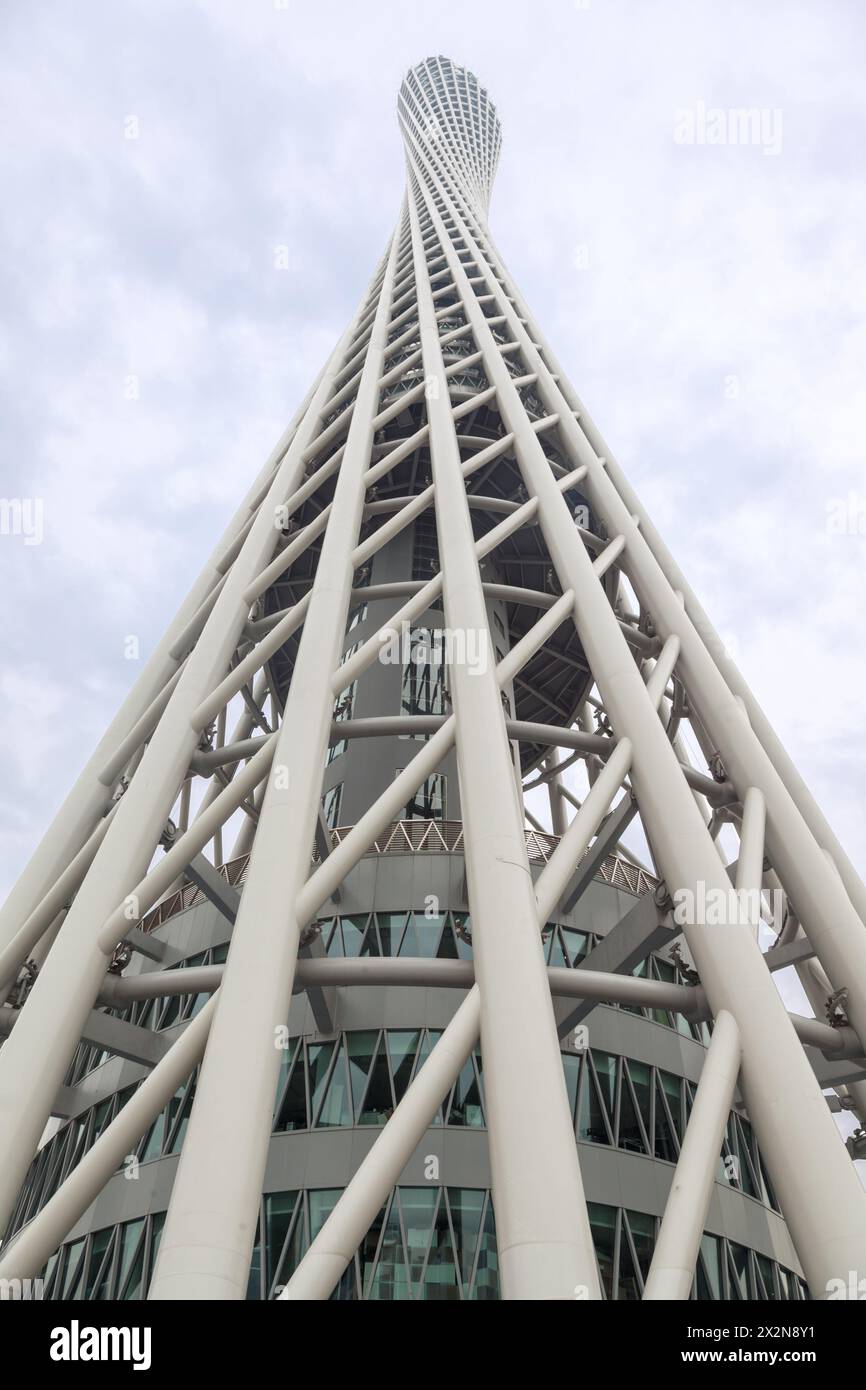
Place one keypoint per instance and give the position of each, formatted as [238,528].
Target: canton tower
[302,998]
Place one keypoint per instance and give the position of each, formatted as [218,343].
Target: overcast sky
[707,299]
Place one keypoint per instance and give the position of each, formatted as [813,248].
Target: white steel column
[678,1242]
[209,1230]
[542,1228]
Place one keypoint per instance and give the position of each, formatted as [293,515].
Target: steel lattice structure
[442,400]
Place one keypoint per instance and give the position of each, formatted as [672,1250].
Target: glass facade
[357,1078]
[426,1243]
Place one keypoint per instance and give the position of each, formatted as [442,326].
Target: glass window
[379,1101]
[130,1239]
[605,1070]
[424,673]
[428,1042]
[99,1242]
[279,1210]
[441,1280]
[466,1098]
[428,803]
[337,1107]
[739,1270]
[555,953]
[447,944]
[322,1202]
[388,1281]
[641,1084]
[353,934]
[391,926]
[402,1047]
[331,803]
[293,1109]
[628,1288]
[602,1220]
[467,1207]
[422,935]
[576,944]
[319,1057]
[709,1269]
[666,1108]
[642,1228]
[571,1067]
[417,1205]
[630,1130]
[594,1120]
[485,1285]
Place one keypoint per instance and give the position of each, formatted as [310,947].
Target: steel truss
[440,335]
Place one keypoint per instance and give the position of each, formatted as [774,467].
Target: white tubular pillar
[32,1247]
[676,1250]
[209,1230]
[821,1196]
[542,1228]
[35,1057]
[750,864]
[558,818]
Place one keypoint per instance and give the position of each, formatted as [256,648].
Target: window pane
[319,1057]
[337,1107]
[402,1046]
[379,1102]
[390,1279]
[440,1278]
[417,1205]
[602,1220]
[279,1209]
[485,1285]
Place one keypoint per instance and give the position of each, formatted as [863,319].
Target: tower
[389,1035]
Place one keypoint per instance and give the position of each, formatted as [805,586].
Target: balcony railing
[413,837]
